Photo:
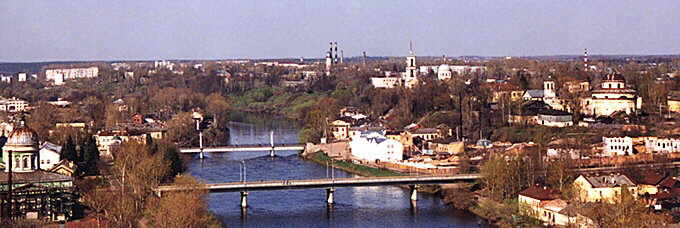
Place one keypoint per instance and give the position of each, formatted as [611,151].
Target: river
[384,206]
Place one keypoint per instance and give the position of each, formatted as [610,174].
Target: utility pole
[244,177]
[199,118]
[10,211]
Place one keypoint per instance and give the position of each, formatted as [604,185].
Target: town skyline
[126,30]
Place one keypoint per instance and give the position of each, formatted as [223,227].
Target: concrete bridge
[271,147]
[329,184]
[243,148]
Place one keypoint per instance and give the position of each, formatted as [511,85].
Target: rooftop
[33,177]
[608,181]
[540,193]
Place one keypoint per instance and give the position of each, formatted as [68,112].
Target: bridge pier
[330,192]
[244,200]
[414,194]
[271,141]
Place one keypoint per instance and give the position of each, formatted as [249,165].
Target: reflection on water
[354,207]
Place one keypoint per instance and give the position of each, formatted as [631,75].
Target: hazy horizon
[44,31]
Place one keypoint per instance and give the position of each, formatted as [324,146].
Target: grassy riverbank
[322,158]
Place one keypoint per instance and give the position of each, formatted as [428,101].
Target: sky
[78,30]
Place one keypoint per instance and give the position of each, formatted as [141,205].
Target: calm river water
[354,207]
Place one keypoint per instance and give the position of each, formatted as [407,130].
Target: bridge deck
[325,183]
[244,148]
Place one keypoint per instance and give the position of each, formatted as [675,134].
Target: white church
[610,97]
[408,79]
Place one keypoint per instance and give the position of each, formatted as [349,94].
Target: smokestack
[336,51]
[585,58]
[342,55]
[364,57]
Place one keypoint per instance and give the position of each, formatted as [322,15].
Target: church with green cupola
[28,192]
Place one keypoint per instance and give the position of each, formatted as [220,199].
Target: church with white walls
[407,79]
[611,96]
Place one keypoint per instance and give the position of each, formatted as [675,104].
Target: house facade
[603,188]
[662,145]
[374,146]
[617,146]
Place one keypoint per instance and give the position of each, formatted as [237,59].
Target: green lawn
[362,170]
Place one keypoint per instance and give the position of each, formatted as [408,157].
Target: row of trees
[127,197]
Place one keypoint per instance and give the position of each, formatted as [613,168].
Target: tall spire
[410,47]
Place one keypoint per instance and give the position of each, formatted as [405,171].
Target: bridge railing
[269,183]
[245,146]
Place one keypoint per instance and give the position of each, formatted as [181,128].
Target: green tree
[171,155]
[90,156]
[68,150]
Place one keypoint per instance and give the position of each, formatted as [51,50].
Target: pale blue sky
[50,30]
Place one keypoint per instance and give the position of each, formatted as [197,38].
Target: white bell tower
[411,68]
[549,88]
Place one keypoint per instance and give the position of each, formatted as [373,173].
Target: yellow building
[73,125]
[423,133]
[442,146]
[673,103]
[603,188]
[340,129]
[544,204]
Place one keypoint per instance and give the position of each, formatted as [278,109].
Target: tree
[559,172]
[134,174]
[98,200]
[626,211]
[181,209]
[42,119]
[182,129]
[216,104]
[171,155]
[90,156]
[504,177]
[68,150]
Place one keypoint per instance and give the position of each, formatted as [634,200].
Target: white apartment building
[385,82]
[617,146]
[71,73]
[22,77]
[662,145]
[374,146]
[6,78]
[12,104]
[164,64]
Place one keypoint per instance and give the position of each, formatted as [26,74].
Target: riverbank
[323,159]
[366,171]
